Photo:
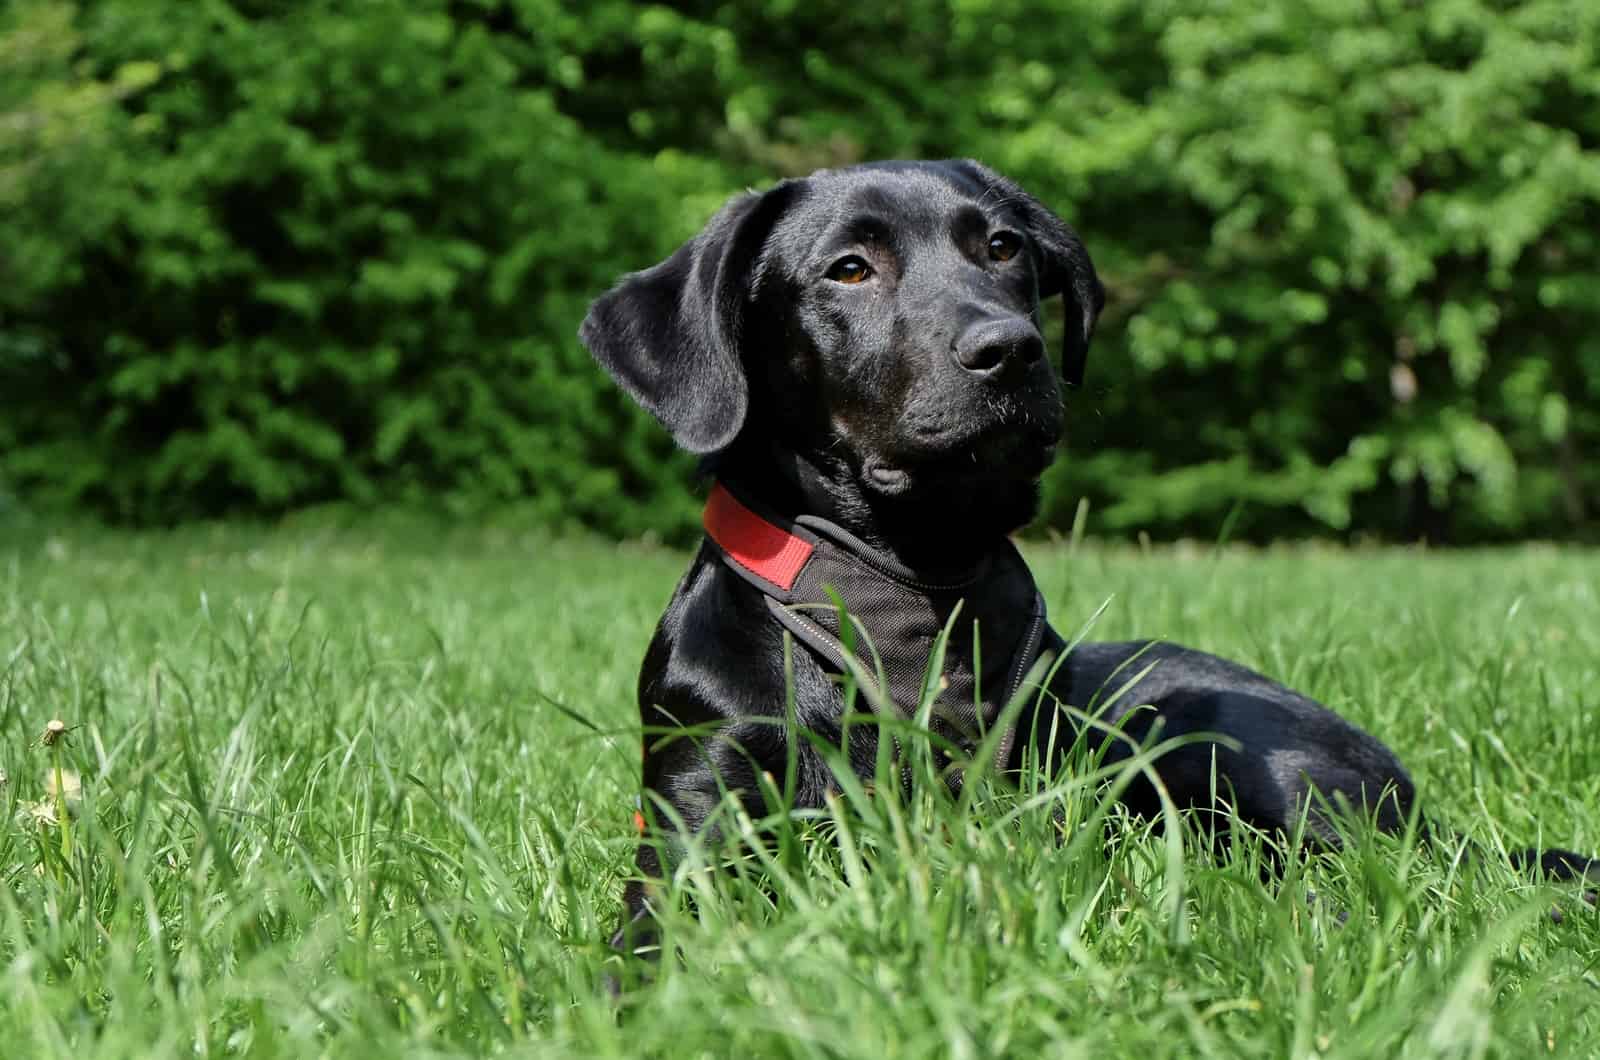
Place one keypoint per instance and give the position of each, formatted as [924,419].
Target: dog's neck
[943,536]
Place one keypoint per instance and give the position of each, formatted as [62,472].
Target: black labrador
[857,355]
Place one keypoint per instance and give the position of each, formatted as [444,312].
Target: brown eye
[851,269]
[1003,246]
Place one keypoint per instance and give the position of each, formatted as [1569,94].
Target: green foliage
[338,253]
[320,251]
[1379,324]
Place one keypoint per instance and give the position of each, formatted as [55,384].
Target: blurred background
[261,256]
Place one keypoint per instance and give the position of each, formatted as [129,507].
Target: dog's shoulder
[718,653]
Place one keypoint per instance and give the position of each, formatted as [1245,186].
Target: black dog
[858,357]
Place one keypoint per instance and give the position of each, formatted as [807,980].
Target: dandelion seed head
[41,813]
[71,785]
[54,729]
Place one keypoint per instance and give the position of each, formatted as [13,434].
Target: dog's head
[878,323]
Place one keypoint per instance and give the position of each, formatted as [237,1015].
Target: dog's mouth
[996,453]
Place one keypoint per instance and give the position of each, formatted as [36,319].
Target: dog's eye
[850,269]
[1003,246]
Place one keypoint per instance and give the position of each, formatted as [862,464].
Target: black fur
[912,408]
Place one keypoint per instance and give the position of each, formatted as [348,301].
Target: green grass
[328,808]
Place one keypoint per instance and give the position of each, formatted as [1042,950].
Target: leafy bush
[319,251]
[336,254]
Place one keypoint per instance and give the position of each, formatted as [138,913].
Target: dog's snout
[993,347]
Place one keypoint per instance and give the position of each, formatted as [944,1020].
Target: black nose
[993,347]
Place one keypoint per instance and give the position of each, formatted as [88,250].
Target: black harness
[897,615]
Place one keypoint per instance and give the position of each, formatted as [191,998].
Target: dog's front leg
[637,934]
[685,780]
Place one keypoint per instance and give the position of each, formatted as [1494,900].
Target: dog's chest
[963,643]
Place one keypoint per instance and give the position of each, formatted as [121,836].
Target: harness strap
[795,563]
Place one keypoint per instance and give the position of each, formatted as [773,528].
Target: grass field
[325,806]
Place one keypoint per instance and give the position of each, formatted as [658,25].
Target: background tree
[311,251]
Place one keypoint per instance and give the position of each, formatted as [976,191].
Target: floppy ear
[1065,268]
[670,335]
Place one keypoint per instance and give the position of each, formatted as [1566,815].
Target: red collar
[761,547]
